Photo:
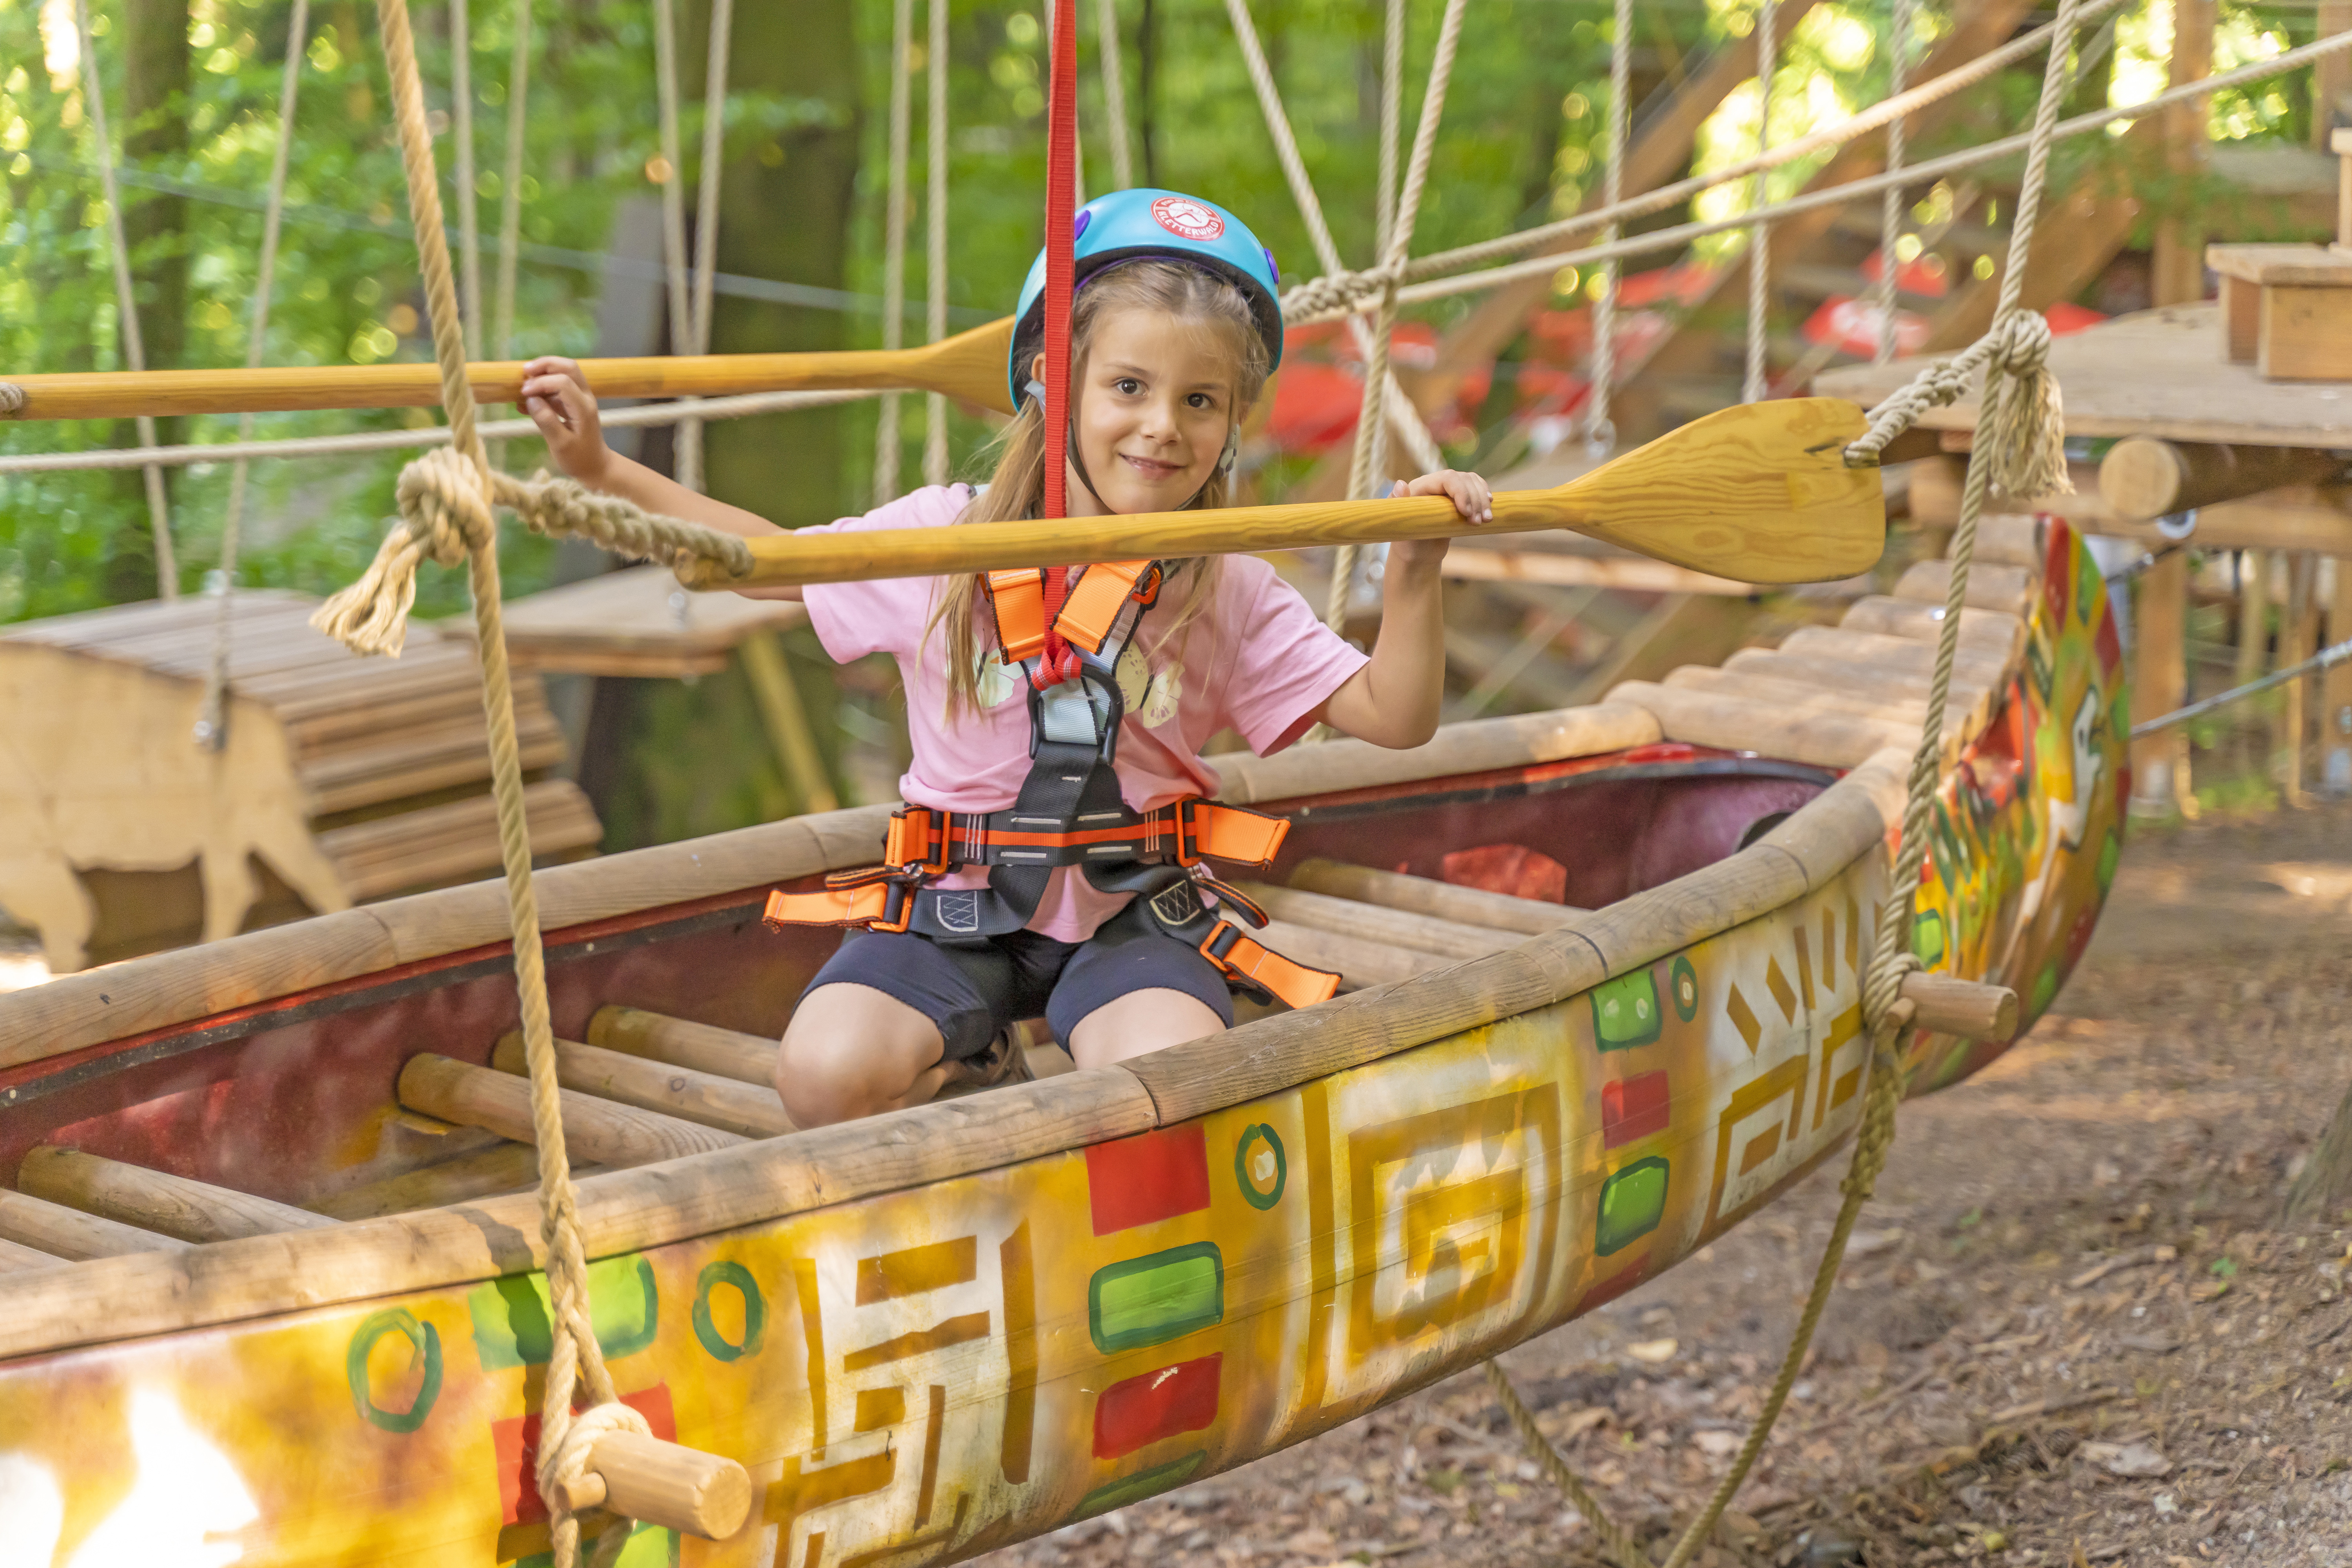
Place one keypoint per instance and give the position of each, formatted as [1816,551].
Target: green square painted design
[650,1546]
[1625,1011]
[1927,938]
[510,1315]
[1151,1299]
[1633,1202]
[1142,1484]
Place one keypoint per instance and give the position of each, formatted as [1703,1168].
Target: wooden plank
[621,1211]
[457,837]
[2242,320]
[2154,373]
[1482,745]
[1374,922]
[1978,666]
[2142,478]
[2305,333]
[155,1200]
[1989,630]
[2270,266]
[2336,694]
[593,1129]
[1427,896]
[2299,643]
[501,1167]
[1357,962]
[17,1258]
[706,1098]
[2159,683]
[1968,706]
[1963,713]
[728,1053]
[2009,589]
[2293,517]
[72,1233]
[1822,740]
[620,623]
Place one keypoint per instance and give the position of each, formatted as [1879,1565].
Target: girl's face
[1154,402]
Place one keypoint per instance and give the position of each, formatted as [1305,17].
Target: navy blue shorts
[972,994]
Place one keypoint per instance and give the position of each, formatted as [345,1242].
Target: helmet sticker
[1186,218]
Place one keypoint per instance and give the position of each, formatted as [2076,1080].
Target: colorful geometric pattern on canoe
[923,1374]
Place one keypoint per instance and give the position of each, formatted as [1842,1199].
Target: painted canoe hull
[921,1374]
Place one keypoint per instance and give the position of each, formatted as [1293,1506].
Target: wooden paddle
[1760,493]
[969,367]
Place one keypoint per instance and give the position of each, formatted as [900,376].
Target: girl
[1043,707]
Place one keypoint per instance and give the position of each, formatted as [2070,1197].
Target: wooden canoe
[304,1327]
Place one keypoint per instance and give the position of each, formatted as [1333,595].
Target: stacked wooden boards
[342,779]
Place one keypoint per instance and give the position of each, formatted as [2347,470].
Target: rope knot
[1339,293]
[564,1463]
[443,508]
[2028,422]
[12,399]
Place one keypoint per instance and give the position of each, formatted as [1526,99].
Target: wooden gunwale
[700,1194]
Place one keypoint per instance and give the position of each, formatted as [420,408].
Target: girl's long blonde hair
[1177,292]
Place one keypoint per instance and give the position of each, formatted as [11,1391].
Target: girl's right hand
[555,394]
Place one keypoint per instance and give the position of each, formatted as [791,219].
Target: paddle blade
[969,366]
[1759,493]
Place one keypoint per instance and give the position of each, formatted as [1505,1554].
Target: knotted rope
[444,518]
[2028,454]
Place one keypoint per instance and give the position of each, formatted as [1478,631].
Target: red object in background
[1923,275]
[1634,1108]
[1853,325]
[515,1440]
[1684,283]
[1142,1410]
[2067,317]
[1559,391]
[1315,406]
[1148,1178]
[1512,868]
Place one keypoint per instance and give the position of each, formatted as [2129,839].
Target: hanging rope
[1890,210]
[894,246]
[1114,75]
[510,176]
[212,723]
[470,216]
[673,184]
[1391,124]
[455,495]
[935,229]
[1760,238]
[126,304]
[1599,432]
[688,458]
[1367,470]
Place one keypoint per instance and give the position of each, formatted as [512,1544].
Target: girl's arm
[555,394]
[1394,700]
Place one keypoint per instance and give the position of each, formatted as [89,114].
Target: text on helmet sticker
[1187,218]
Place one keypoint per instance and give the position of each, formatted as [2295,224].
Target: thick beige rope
[894,245]
[1391,124]
[688,458]
[212,723]
[463,513]
[1114,81]
[1616,1546]
[469,204]
[1753,385]
[1599,430]
[935,234]
[673,188]
[510,177]
[126,308]
[1890,210]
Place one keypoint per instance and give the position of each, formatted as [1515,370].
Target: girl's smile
[1153,403]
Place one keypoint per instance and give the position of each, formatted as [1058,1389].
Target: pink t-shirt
[1257,662]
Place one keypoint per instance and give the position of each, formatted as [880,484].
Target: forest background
[191,89]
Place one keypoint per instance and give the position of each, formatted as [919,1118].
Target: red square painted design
[1142,1410]
[516,1440]
[1634,1108]
[1148,1178]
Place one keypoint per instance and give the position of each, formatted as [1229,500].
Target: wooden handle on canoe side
[969,367]
[1968,1009]
[665,1484]
[1760,493]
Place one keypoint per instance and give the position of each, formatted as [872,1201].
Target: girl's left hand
[1472,497]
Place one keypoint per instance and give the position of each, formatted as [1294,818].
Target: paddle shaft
[1752,492]
[969,366]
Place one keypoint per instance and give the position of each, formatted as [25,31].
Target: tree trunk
[2322,1192]
[151,123]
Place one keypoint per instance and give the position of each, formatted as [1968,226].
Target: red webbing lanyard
[1061,191]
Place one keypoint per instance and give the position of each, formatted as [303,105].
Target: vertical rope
[1599,432]
[470,213]
[126,302]
[510,177]
[574,1353]
[935,221]
[894,247]
[1759,238]
[1890,209]
[688,460]
[1061,207]
[1114,75]
[673,189]
[212,725]
[1391,124]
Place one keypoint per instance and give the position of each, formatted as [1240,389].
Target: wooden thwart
[1760,493]
[594,1130]
[1375,922]
[681,1092]
[1427,896]
[156,1200]
[74,1232]
[17,1258]
[682,1043]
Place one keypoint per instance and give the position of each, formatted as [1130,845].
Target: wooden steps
[725,1103]
[73,1233]
[594,1130]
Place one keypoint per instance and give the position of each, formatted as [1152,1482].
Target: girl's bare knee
[852,1051]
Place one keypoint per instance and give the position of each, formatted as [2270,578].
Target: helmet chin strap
[1036,389]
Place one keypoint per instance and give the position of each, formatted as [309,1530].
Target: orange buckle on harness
[1018,599]
[1204,828]
[917,840]
[1096,597]
[1234,952]
[875,904]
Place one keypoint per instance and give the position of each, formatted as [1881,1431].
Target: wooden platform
[2156,372]
[344,778]
[636,621]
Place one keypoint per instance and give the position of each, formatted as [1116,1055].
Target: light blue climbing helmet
[1128,225]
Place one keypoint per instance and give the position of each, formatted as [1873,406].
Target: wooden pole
[2177,263]
[2331,79]
[73,1233]
[1967,1008]
[786,719]
[2336,692]
[969,367]
[156,1200]
[1759,492]
[662,1483]
[1427,896]
[2142,477]
[1376,923]
[2161,684]
[706,1098]
[600,1131]
[684,1043]
[2301,642]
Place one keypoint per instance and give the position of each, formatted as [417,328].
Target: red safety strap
[1058,663]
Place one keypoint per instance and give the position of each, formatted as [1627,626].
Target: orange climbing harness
[1066,634]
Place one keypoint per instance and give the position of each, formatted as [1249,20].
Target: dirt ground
[2073,1328]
